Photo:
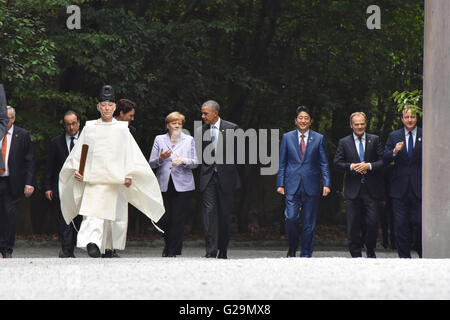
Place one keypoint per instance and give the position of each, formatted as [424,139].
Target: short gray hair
[212,105]
[13,111]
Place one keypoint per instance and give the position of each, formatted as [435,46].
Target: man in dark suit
[16,179]
[360,157]
[126,110]
[4,120]
[404,149]
[60,147]
[218,180]
[303,160]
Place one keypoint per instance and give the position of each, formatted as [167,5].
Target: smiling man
[404,149]
[303,161]
[360,157]
[116,174]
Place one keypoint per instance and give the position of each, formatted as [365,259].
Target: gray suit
[3,120]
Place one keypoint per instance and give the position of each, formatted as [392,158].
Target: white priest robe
[113,155]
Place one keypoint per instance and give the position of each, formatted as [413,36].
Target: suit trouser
[172,222]
[66,232]
[308,205]
[8,212]
[217,207]
[362,215]
[407,223]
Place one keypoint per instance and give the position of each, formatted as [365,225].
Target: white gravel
[248,274]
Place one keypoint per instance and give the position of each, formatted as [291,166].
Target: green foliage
[258,59]
[408,100]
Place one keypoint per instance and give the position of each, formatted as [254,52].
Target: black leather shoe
[110,254]
[290,253]
[107,254]
[370,253]
[62,254]
[211,255]
[222,255]
[93,250]
[7,255]
[114,254]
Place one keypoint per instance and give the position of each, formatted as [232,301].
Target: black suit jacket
[20,162]
[346,154]
[404,171]
[57,155]
[227,172]
[3,120]
[133,131]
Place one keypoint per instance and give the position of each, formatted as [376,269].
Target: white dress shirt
[74,140]
[414,134]
[306,135]
[363,139]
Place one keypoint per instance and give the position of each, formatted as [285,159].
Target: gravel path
[140,273]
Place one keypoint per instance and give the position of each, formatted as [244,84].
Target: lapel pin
[420,139]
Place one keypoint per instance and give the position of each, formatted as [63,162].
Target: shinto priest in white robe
[102,197]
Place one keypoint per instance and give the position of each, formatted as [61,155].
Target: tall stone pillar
[436,131]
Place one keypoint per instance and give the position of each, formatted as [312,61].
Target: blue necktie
[361,149]
[361,156]
[410,145]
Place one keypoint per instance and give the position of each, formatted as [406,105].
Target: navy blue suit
[406,191]
[301,181]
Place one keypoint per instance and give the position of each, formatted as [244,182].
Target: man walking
[360,157]
[404,149]
[303,160]
[16,179]
[60,147]
[218,181]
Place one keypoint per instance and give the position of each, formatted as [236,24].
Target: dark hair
[70,112]
[125,106]
[303,109]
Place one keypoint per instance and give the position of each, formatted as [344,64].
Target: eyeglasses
[73,124]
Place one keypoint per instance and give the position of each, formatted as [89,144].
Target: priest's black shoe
[110,254]
[93,250]
[291,253]
[222,255]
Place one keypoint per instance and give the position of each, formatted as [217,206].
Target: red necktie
[4,146]
[302,146]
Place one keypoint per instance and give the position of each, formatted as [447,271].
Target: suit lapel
[418,144]
[167,141]
[354,156]
[12,147]
[179,142]
[296,144]
[368,147]
[311,140]
[63,145]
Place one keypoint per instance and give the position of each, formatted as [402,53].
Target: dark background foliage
[258,58]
